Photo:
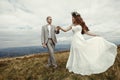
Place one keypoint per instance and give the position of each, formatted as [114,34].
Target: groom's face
[49,20]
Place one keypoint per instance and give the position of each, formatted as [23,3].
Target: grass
[32,68]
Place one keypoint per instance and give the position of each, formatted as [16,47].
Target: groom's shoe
[54,66]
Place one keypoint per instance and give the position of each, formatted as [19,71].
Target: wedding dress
[91,56]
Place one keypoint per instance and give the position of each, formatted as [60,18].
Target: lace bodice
[76,28]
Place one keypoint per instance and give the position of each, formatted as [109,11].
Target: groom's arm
[42,37]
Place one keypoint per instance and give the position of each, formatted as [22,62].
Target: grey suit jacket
[45,32]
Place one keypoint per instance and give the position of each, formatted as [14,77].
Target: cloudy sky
[21,20]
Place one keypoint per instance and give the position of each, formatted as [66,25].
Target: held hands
[58,27]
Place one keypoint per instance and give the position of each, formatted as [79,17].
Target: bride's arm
[89,33]
[65,30]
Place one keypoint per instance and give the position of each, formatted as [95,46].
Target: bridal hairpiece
[75,14]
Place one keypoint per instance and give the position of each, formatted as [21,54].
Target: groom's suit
[49,41]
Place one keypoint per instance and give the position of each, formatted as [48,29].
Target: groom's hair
[48,17]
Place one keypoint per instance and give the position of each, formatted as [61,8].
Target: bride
[91,56]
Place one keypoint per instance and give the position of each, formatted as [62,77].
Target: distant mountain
[20,51]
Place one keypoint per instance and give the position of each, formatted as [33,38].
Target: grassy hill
[32,68]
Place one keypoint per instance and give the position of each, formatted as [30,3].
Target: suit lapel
[47,28]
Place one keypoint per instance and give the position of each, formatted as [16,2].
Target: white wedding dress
[90,56]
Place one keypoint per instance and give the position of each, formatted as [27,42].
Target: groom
[48,39]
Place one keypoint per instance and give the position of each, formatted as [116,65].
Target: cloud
[21,20]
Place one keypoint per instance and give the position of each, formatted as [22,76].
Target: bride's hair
[79,20]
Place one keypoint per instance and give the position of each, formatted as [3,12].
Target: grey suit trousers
[51,47]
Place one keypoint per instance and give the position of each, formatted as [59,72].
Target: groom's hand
[44,45]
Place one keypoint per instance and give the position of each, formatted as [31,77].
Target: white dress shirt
[49,29]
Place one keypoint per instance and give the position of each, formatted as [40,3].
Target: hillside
[32,68]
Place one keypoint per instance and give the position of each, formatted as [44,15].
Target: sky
[21,20]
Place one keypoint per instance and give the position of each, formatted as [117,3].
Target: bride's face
[73,20]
